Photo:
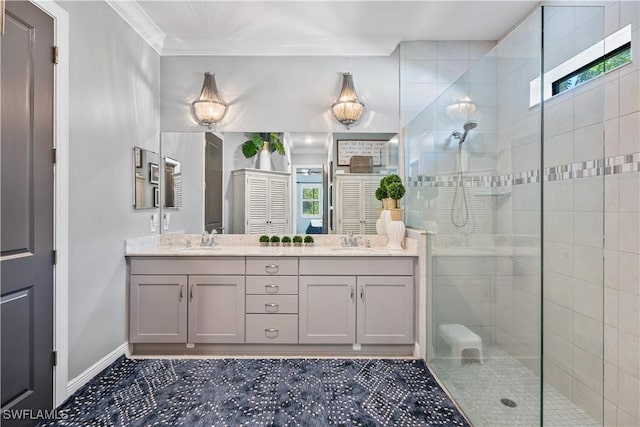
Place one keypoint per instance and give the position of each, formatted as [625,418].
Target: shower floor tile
[478,390]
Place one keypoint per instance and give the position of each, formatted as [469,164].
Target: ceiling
[342,28]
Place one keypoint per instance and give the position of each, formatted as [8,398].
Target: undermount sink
[353,249]
[198,248]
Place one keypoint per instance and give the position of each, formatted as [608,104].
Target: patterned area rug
[266,392]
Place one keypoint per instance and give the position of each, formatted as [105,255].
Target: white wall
[114,105]
[281,94]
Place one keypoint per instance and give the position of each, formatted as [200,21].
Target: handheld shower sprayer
[469,125]
[461,220]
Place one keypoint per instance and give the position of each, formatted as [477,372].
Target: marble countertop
[243,245]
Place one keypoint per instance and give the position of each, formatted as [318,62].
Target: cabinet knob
[362,293]
[352,291]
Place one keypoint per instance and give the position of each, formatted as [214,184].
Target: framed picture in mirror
[154,173]
[369,147]
[156,197]
[137,157]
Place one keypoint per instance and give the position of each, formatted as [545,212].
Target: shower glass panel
[503,289]
[573,216]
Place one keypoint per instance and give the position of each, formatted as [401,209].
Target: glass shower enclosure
[508,180]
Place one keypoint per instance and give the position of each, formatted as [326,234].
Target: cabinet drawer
[187,265]
[269,285]
[272,328]
[272,266]
[281,304]
[356,266]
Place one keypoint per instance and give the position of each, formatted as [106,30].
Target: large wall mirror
[327,191]
[146,179]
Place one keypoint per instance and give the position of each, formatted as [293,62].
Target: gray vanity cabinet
[385,310]
[216,309]
[356,307]
[327,310]
[158,309]
[187,300]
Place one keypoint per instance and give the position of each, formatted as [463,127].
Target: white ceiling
[351,28]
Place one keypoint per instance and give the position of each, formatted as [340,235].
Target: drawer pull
[191,293]
[271,289]
[271,307]
[181,292]
[272,268]
[271,332]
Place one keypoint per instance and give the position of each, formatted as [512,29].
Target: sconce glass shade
[209,108]
[348,108]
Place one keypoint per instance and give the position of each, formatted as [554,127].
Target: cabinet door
[349,202]
[257,196]
[385,310]
[370,206]
[158,309]
[278,206]
[327,310]
[216,309]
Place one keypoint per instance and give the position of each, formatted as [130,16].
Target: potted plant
[297,240]
[264,240]
[286,241]
[381,194]
[384,183]
[308,241]
[396,191]
[275,241]
[265,144]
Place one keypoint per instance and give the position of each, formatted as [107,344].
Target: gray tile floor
[479,388]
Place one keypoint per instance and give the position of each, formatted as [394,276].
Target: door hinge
[54,358]
[54,155]
[54,54]
[54,257]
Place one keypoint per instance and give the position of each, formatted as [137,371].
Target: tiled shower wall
[622,230]
[428,68]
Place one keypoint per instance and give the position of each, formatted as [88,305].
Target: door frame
[293,185]
[60,197]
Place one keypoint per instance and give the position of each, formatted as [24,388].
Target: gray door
[26,243]
[213,183]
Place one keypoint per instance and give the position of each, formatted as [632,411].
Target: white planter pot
[380,225]
[264,158]
[395,232]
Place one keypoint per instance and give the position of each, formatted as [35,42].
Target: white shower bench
[459,338]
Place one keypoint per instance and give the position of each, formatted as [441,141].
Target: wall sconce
[348,108]
[209,108]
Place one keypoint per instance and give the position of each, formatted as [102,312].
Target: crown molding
[140,21]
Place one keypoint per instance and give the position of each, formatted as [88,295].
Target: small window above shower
[608,54]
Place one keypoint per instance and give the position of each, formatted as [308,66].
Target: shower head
[469,125]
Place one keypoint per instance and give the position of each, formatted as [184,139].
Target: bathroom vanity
[245,299]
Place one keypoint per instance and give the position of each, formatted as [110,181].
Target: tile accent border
[609,166]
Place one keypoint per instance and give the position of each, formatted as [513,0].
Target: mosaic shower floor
[479,389]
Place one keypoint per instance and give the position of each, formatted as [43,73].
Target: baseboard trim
[93,370]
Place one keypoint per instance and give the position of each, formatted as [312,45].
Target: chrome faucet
[351,241]
[208,240]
